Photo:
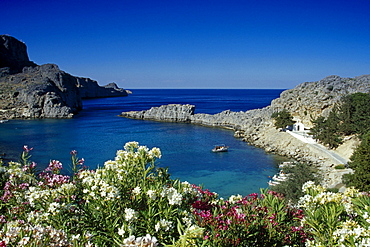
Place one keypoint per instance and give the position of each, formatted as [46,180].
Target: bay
[98,132]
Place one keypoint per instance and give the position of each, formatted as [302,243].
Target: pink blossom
[54,166]
[26,149]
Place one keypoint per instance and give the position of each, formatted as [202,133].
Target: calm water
[97,132]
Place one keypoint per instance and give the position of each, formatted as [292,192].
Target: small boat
[220,148]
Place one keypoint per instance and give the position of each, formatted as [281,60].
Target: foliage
[298,174]
[282,119]
[360,163]
[340,167]
[354,114]
[326,130]
[263,220]
[336,219]
[131,202]
[127,197]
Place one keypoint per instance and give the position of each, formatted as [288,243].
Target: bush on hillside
[351,116]
[283,119]
[298,174]
[360,163]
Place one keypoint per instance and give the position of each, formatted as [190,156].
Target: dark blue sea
[97,132]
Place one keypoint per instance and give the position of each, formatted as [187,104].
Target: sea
[97,132]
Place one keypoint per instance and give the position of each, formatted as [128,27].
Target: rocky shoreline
[28,90]
[305,102]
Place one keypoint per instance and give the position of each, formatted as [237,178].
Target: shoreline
[255,127]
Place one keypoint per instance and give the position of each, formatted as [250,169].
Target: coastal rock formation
[168,113]
[307,101]
[31,91]
[13,54]
[310,100]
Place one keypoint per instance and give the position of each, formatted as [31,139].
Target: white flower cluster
[97,187]
[188,218]
[136,191]
[324,197]
[155,152]
[35,235]
[173,196]
[235,198]
[351,230]
[187,188]
[152,194]
[147,241]
[132,150]
[131,146]
[54,208]
[308,185]
[37,195]
[130,214]
[163,225]
[16,172]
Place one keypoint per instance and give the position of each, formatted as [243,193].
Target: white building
[298,126]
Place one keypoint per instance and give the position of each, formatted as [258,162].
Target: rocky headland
[28,90]
[305,102]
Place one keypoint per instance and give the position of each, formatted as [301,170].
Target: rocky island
[28,90]
[305,102]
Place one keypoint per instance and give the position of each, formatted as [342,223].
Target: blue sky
[195,44]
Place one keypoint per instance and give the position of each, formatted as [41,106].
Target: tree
[360,163]
[326,130]
[354,114]
[299,173]
[282,119]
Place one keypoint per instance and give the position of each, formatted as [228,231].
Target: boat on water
[220,148]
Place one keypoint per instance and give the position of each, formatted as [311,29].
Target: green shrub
[340,167]
[298,174]
[283,119]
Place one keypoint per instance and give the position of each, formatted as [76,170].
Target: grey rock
[168,113]
[13,54]
[31,91]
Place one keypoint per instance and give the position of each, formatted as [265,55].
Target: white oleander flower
[131,145]
[163,225]
[130,214]
[136,191]
[121,231]
[152,194]
[234,199]
[155,152]
[307,185]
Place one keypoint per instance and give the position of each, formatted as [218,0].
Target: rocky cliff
[312,99]
[13,54]
[31,91]
[306,101]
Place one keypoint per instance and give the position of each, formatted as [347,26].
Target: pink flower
[26,149]
[54,166]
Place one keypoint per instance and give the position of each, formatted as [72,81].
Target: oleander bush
[132,202]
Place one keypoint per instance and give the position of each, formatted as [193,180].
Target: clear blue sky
[195,44]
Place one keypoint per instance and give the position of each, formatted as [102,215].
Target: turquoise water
[97,132]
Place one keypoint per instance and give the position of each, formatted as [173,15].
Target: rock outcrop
[13,54]
[31,91]
[310,100]
[168,113]
[307,101]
